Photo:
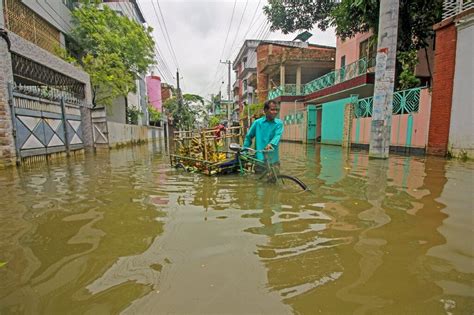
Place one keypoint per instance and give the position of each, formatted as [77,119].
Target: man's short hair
[266,105]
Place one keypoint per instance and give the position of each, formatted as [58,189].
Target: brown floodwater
[123,232]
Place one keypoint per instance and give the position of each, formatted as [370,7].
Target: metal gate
[99,125]
[43,123]
[312,119]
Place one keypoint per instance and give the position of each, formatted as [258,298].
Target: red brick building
[290,65]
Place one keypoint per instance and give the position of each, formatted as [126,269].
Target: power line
[212,82]
[228,30]
[162,69]
[164,72]
[167,34]
[162,29]
[251,24]
[254,14]
[238,27]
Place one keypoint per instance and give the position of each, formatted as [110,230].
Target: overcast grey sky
[198,29]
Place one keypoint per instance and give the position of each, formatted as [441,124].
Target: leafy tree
[408,61]
[155,115]
[191,113]
[113,49]
[214,121]
[255,110]
[349,17]
[132,115]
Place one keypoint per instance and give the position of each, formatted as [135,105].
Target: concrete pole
[7,143]
[229,97]
[282,76]
[298,80]
[384,80]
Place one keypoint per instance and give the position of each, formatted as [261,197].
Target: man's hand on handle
[269,147]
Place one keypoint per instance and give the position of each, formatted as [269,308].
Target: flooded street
[122,232]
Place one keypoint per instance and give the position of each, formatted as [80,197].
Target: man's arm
[278,132]
[250,135]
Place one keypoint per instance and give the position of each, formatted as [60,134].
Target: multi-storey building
[335,107]
[33,79]
[245,67]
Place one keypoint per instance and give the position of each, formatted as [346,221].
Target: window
[343,61]
[368,48]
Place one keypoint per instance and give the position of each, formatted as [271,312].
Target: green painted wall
[333,121]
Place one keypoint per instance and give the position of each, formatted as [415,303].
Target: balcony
[351,71]
[24,22]
[346,73]
[454,7]
[285,90]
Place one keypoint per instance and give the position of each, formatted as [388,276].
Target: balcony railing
[404,102]
[454,7]
[287,89]
[346,73]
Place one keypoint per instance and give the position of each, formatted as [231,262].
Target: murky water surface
[122,232]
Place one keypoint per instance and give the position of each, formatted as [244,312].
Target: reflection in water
[123,232]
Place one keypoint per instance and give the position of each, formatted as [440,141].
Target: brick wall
[7,147]
[445,58]
[271,55]
[165,93]
[262,78]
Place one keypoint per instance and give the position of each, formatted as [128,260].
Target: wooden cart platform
[206,151]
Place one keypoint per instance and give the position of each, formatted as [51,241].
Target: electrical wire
[238,28]
[167,34]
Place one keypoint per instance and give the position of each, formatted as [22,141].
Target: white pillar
[384,79]
[298,80]
[282,75]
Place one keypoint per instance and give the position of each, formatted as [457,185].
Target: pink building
[153,85]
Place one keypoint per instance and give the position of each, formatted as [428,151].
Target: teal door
[312,119]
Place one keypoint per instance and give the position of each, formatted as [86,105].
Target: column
[282,75]
[298,80]
[384,80]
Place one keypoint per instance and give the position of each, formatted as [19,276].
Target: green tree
[408,61]
[113,49]
[191,113]
[214,121]
[155,115]
[349,17]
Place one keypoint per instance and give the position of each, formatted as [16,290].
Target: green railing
[287,89]
[348,72]
[363,107]
[404,102]
[295,118]
[275,92]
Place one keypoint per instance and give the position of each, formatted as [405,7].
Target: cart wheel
[289,181]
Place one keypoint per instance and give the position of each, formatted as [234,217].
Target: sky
[198,30]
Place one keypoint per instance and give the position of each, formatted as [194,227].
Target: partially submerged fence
[45,122]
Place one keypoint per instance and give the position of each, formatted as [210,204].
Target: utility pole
[180,96]
[229,63]
[384,80]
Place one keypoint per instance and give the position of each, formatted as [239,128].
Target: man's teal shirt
[265,132]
